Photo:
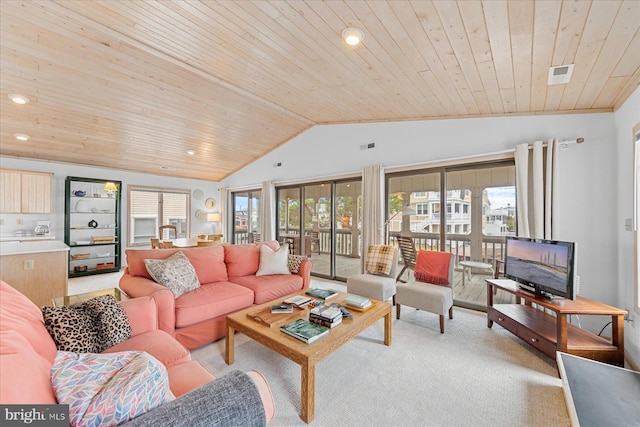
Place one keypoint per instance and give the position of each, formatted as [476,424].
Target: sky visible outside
[501,197]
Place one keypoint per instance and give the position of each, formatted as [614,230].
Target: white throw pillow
[273,262]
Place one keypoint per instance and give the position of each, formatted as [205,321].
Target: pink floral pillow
[109,389]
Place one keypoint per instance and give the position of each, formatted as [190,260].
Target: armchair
[434,298]
[377,286]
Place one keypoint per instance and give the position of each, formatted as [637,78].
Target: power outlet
[28,264]
[19,221]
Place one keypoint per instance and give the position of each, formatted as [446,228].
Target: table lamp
[110,188]
[214,217]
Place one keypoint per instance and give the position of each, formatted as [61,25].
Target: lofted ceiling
[133,85]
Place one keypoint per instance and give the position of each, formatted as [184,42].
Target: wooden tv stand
[549,333]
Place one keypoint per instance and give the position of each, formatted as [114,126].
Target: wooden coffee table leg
[229,345]
[308,376]
[387,328]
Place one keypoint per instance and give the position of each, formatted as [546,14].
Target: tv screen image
[545,265]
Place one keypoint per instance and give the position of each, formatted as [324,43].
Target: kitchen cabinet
[25,192]
[92,225]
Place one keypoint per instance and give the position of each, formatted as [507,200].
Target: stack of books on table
[326,316]
[357,302]
[304,330]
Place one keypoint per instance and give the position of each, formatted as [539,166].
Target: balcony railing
[348,243]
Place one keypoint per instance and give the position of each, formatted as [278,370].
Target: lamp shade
[214,217]
[408,210]
[110,186]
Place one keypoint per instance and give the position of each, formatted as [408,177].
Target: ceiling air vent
[560,74]
[368,146]
[277,165]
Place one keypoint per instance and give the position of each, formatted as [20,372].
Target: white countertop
[26,238]
[21,248]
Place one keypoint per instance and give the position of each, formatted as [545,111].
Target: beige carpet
[470,376]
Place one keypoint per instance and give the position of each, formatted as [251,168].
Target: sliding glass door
[326,227]
[467,211]
[246,215]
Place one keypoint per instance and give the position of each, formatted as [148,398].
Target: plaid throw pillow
[380,259]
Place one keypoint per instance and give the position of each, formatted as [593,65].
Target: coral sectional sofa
[228,283]
[28,360]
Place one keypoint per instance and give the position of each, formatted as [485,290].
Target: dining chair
[314,240]
[155,244]
[171,229]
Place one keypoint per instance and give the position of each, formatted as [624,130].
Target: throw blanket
[432,267]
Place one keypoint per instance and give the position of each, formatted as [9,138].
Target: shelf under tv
[550,333]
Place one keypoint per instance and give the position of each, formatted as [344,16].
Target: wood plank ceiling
[133,85]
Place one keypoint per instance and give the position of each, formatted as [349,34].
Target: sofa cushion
[188,376]
[243,260]
[208,261]
[121,386]
[18,313]
[273,262]
[72,328]
[157,343]
[176,273]
[210,301]
[110,320]
[25,373]
[268,288]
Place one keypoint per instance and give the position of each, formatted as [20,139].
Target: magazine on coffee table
[304,330]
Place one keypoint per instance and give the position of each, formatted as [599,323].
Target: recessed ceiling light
[191,152]
[18,99]
[22,136]
[352,36]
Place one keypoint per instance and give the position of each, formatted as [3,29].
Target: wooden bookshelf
[550,332]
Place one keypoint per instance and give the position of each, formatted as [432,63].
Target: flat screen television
[546,267]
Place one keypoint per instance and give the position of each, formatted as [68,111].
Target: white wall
[588,176]
[625,119]
[61,171]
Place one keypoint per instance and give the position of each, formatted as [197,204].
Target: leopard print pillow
[295,261]
[90,327]
[110,320]
[72,328]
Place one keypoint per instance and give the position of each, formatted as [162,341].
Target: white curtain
[372,207]
[536,188]
[266,211]
[223,211]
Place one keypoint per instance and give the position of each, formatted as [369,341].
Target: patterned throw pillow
[273,262]
[72,328]
[295,261]
[121,386]
[110,320]
[175,273]
[380,259]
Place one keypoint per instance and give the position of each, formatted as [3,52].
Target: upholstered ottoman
[436,299]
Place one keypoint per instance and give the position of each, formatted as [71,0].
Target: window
[422,209]
[151,207]
[420,194]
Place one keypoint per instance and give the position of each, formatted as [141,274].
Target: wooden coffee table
[307,355]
